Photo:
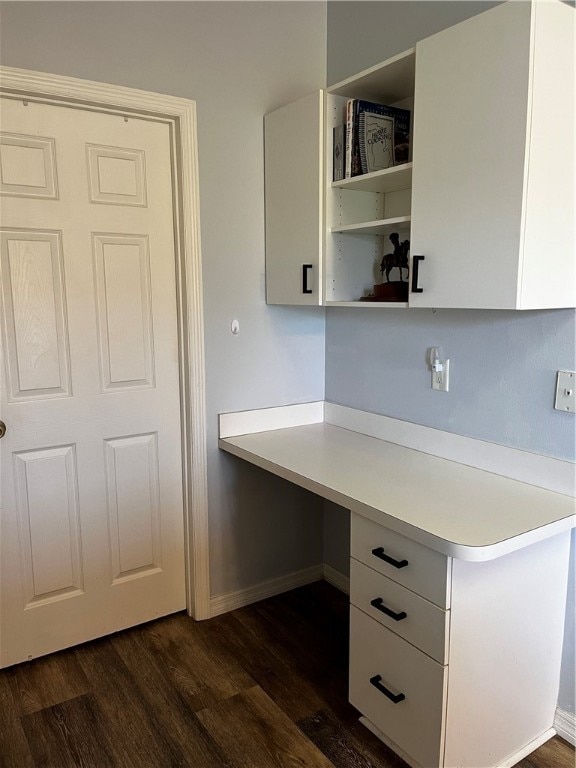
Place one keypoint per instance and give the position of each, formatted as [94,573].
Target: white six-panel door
[91,479]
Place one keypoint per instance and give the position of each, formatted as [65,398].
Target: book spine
[356,169]
[338,153]
[349,137]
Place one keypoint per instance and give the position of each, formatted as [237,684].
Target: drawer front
[404,612]
[381,661]
[406,562]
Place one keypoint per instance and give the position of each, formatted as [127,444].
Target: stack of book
[374,137]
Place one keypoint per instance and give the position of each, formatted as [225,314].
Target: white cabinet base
[389,743]
[503,665]
[512,760]
[506,632]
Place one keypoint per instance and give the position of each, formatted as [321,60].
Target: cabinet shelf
[369,304]
[390,81]
[388,180]
[378,227]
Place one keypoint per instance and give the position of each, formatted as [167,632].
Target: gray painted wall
[503,364]
[237,61]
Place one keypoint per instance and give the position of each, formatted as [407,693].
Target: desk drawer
[381,661]
[415,619]
[406,562]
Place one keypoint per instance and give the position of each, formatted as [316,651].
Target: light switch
[566,391]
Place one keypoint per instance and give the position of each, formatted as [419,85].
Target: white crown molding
[180,114]
[48,86]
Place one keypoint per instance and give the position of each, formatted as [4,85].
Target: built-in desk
[458,592]
[460,511]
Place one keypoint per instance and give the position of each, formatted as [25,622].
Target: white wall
[238,61]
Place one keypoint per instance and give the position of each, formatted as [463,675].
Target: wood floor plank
[204,673]
[69,735]
[262,687]
[555,753]
[273,670]
[14,751]
[348,747]
[130,722]
[171,709]
[318,653]
[254,733]
[46,681]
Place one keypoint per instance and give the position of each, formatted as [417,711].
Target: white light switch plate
[566,391]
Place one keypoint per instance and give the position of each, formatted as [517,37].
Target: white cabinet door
[470,126]
[294,202]
[91,504]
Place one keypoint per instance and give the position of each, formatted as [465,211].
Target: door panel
[122,270]
[133,504]
[28,166]
[47,501]
[91,498]
[35,314]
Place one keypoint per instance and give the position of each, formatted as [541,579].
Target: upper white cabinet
[294,185]
[488,197]
[493,183]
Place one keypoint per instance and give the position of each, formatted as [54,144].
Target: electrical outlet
[566,392]
[441,379]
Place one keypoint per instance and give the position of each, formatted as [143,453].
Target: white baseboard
[337,579]
[528,749]
[565,725]
[232,600]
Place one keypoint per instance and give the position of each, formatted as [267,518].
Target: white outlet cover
[441,381]
[566,392]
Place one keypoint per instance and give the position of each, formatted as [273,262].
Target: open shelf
[391,81]
[378,227]
[369,304]
[388,180]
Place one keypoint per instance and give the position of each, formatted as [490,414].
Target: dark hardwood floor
[262,687]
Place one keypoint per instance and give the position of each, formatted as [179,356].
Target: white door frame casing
[180,115]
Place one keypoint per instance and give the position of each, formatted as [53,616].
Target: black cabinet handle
[395,697]
[379,552]
[305,268]
[378,603]
[415,265]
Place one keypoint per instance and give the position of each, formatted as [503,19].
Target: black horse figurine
[398,258]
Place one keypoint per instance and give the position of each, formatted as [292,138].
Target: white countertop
[455,509]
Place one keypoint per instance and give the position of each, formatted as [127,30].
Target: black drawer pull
[305,268]
[415,264]
[395,697]
[379,552]
[377,603]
